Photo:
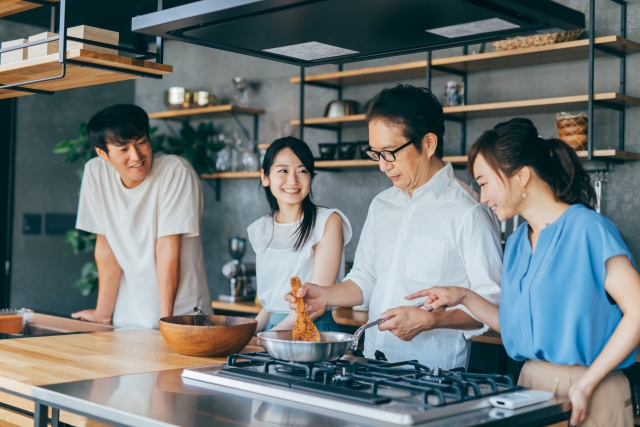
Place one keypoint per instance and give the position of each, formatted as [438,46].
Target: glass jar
[453,93]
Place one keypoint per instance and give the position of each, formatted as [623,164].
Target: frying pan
[332,346]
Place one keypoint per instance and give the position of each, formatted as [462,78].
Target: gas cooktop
[400,393]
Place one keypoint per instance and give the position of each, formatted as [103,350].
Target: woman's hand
[580,397]
[439,298]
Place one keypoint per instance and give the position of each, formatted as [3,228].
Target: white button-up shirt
[442,236]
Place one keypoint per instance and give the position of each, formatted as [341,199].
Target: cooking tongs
[361,329]
[197,311]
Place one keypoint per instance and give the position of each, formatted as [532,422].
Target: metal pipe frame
[302,83]
[623,74]
[463,123]
[339,130]
[62,49]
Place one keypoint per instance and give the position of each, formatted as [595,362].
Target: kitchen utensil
[332,346]
[327,150]
[361,329]
[237,247]
[227,334]
[347,150]
[341,107]
[280,345]
[197,311]
[304,329]
[178,97]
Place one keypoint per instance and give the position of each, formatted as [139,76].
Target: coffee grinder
[239,274]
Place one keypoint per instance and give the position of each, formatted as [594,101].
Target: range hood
[315,32]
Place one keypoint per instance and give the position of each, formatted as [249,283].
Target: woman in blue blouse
[570,290]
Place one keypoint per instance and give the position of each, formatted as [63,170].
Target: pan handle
[361,329]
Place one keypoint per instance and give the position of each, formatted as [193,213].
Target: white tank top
[277,262]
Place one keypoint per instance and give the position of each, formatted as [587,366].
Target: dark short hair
[415,109]
[512,145]
[117,125]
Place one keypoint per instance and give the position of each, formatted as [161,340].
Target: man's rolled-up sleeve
[363,272]
[481,252]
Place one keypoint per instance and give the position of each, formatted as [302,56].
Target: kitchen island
[133,378]
[29,362]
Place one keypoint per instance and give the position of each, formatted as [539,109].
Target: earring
[524,195]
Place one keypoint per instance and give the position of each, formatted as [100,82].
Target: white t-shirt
[277,262]
[168,202]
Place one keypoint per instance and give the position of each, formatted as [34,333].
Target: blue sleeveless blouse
[553,303]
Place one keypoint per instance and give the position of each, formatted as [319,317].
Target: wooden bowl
[228,334]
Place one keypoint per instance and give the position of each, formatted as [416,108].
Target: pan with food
[282,345]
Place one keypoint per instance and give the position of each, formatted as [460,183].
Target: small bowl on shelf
[347,150]
[226,336]
[327,150]
[363,146]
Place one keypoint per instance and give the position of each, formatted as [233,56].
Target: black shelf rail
[463,74]
[58,10]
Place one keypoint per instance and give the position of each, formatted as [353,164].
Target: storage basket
[537,40]
[573,129]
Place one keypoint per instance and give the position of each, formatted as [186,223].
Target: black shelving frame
[58,25]
[463,74]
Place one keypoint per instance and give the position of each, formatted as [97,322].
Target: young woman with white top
[297,238]
[570,289]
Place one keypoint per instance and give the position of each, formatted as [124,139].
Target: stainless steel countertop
[161,399]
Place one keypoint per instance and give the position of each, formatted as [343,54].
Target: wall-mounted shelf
[530,106]
[610,154]
[10,7]
[80,73]
[561,52]
[213,110]
[203,111]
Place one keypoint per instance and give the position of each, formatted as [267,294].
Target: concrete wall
[351,191]
[42,272]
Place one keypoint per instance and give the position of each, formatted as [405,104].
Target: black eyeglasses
[387,155]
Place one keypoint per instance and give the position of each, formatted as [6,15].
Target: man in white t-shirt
[146,213]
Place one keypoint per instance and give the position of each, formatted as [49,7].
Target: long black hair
[308,208]
[511,145]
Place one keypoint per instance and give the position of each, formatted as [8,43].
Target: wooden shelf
[527,106]
[356,119]
[246,307]
[561,52]
[609,154]
[201,111]
[541,105]
[10,7]
[227,175]
[76,76]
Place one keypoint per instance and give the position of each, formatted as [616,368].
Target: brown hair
[511,145]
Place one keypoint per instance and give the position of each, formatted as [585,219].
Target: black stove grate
[369,382]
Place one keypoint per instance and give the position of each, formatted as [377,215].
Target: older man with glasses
[429,229]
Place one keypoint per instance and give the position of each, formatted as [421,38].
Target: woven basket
[573,129]
[537,40]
